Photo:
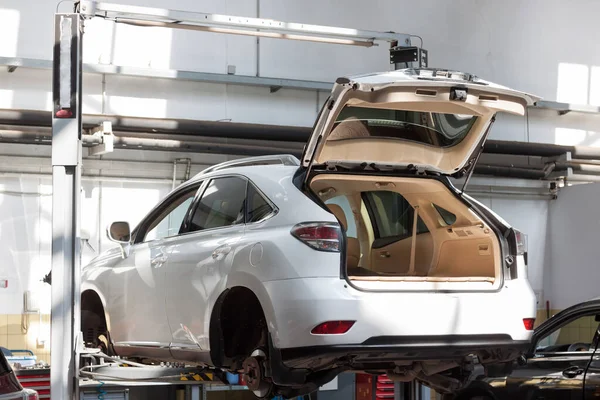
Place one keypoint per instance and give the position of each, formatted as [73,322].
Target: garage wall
[573,251]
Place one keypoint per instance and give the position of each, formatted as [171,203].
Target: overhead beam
[235,24]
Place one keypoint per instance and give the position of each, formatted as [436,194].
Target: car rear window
[446,215]
[435,129]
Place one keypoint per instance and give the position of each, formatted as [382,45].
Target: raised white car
[361,256]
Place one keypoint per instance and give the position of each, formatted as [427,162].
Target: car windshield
[435,129]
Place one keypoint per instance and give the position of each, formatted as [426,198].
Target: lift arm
[148,16]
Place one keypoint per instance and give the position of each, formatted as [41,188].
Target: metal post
[66,183]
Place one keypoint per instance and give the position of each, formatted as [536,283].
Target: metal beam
[13,63]
[565,108]
[234,24]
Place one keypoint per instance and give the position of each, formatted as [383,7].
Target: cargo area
[410,230]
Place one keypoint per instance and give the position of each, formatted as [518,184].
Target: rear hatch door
[426,119]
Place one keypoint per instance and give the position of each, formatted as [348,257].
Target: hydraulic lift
[83,373]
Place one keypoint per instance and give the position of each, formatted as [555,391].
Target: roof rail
[284,159]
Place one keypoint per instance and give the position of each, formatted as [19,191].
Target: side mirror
[119,232]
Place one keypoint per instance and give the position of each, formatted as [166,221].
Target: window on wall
[222,204]
[392,215]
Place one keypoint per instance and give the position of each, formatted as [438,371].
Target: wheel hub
[254,375]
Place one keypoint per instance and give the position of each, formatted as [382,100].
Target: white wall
[573,251]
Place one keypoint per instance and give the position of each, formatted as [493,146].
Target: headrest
[349,128]
[339,214]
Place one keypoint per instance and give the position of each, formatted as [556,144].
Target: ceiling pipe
[156,125]
[539,149]
[232,147]
[236,130]
[509,171]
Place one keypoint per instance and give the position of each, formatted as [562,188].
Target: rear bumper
[382,349]
[298,305]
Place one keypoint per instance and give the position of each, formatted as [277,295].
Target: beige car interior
[349,141]
[467,250]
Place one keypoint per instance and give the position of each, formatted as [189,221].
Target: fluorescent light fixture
[233,31]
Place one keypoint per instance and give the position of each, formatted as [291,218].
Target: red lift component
[384,388]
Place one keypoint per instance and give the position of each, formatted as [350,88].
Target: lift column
[66,183]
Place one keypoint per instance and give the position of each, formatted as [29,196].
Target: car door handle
[573,372]
[384,254]
[221,252]
[158,260]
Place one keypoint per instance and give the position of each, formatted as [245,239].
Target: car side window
[258,208]
[222,204]
[391,214]
[574,335]
[168,222]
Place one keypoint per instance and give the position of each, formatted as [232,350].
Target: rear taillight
[332,328]
[323,236]
[521,242]
[529,322]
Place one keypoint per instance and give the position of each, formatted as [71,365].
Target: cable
[419,37]
[101,392]
[62,1]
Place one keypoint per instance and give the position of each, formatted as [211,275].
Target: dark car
[563,362]
[10,388]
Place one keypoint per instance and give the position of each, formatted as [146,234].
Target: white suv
[361,256]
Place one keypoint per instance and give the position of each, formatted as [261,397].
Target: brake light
[332,328]
[521,240]
[323,236]
[529,322]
